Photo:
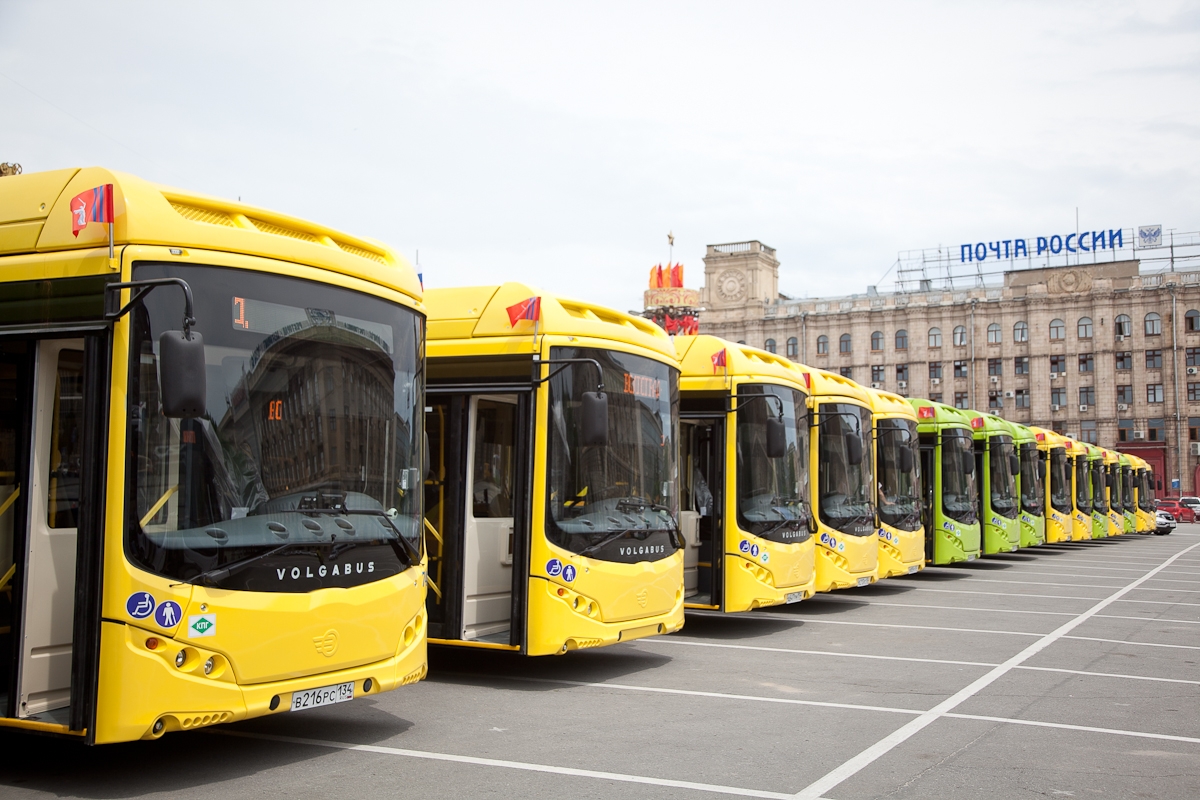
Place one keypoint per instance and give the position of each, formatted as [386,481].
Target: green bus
[949,511]
[996,463]
[1031,485]
[1095,468]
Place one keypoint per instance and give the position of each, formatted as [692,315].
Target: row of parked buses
[248,466]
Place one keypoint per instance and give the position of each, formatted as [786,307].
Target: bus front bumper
[561,620]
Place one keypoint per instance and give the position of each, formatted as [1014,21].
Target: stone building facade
[1100,352]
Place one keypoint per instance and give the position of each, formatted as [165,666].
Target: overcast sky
[558,143]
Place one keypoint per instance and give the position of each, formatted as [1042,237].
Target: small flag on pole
[718,359]
[421,278]
[94,205]
[530,309]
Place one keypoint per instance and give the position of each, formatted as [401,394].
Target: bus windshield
[1083,485]
[1116,501]
[1000,478]
[1060,481]
[1099,497]
[304,473]
[613,501]
[959,499]
[899,474]
[1127,489]
[772,493]
[1033,487]
[1145,490]
[846,485]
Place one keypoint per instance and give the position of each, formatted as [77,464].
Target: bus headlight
[208,666]
[180,658]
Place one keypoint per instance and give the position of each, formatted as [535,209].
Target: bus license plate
[795,597]
[912,569]
[864,581]
[325,696]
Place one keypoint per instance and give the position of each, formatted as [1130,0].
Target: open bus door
[477,529]
[930,480]
[53,421]
[703,502]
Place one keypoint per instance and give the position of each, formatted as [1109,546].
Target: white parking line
[948,608]
[520,765]
[1150,619]
[1174,580]
[1156,589]
[868,756]
[679,641]
[1136,644]
[1087,728]
[806,620]
[1040,583]
[1161,602]
[1005,594]
[1109,675]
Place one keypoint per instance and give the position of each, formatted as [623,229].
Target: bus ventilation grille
[201,720]
[205,215]
[414,676]
[581,644]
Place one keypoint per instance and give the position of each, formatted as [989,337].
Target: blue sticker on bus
[168,614]
[754,550]
[568,572]
[744,546]
[554,568]
[140,605]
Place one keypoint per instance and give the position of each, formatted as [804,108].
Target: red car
[1180,512]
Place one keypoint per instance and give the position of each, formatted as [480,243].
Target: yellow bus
[1079,465]
[1143,494]
[1060,502]
[744,461]
[898,470]
[552,506]
[1112,486]
[211,447]
[844,493]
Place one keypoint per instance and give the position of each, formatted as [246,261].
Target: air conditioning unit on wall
[1122,406]
[935,381]
[902,384]
[1193,370]
[1054,375]
[876,385]
[1194,447]
[995,378]
[1139,434]
[1083,407]
[1055,406]
[1120,337]
[1010,393]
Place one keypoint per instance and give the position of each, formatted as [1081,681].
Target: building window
[844,343]
[1125,360]
[995,366]
[1154,392]
[1084,328]
[1058,365]
[1022,398]
[1156,431]
[935,397]
[901,340]
[960,400]
[935,369]
[1058,329]
[1087,395]
[1193,356]
[1087,363]
[994,333]
[1153,324]
[1058,396]
[1124,325]
[1021,332]
[1194,429]
[902,372]
[822,345]
[877,340]
[1021,365]
[1087,431]
[995,399]
[847,373]
[1124,430]
[877,375]
[935,337]
[1191,321]
[793,347]
[960,369]
[769,346]
[960,336]
[1154,359]
[1194,392]
[1125,394]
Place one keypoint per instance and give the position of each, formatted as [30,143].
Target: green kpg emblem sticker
[202,625]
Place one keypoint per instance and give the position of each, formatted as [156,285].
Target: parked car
[1178,512]
[1164,523]
[1191,502]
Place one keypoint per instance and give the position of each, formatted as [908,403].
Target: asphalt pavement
[1061,671]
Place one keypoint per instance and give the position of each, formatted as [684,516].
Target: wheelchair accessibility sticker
[554,568]
[140,605]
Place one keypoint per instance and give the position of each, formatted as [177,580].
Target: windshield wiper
[218,574]
[405,551]
[612,537]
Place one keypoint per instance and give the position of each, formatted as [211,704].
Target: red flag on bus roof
[526,309]
[94,205]
[718,359]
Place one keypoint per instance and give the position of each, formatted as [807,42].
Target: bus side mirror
[1041,468]
[1108,480]
[776,438]
[594,419]
[854,449]
[1160,484]
[1014,465]
[969,463]
[906,460]
[181,374]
